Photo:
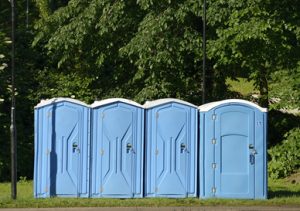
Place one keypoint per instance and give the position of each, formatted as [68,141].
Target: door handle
[253,152]
[182,147]
[75,147]
[128,147]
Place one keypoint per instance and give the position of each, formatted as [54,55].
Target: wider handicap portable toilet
[171,149]
[61,157]
[117,149]
[233,150]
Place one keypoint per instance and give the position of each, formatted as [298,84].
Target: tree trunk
[263,88]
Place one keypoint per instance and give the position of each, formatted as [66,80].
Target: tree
[166,51]
[4,112]
[285,89]
[27,61]
[141,50]
[254,38]
[84,38]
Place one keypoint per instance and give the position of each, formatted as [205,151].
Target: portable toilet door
[61,164]
[233,150]
[171,149]
[117,149]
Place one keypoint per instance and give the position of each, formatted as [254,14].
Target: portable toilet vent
[61,164]
[171,149]
[117,149]
[233,150]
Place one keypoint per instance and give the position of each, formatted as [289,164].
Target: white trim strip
[209,106]
[59,99]
[113,100]
[151,104]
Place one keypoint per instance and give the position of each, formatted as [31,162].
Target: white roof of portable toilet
[59,99]
[113,100]
[209,106]
[151,104]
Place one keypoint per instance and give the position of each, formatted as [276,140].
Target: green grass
[281,192]
[242,86]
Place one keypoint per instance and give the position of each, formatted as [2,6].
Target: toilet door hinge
[213,141]
[157,115]
[214,165]
[156,152]
[213,190]
[214,116]
[101,152]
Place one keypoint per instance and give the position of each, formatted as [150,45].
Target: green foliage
[166,50]
[285,88]
[44,8]
[61,84]
[254,38]
[285,157]
[143,50]
[4,115]
[278,124]
[242,85]
[84,37]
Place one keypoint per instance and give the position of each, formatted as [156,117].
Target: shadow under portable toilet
[233,150]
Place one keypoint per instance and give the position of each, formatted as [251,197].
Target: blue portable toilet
[171,149]
[117,149]
[61,142]
[233,150]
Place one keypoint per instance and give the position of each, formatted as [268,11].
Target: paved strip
[206,208]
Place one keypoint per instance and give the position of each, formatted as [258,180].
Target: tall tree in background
[137,49]
[4,91]
[4,107]
[254,38]
[26,65]
[166,50]
[151,49]
[83,40]
[143,50]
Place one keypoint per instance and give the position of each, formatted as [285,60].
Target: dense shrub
[285,157]
[279,123]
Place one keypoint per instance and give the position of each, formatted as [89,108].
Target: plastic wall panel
[233,150]
[171,151]
[207,155]
[117,151]
[61,150]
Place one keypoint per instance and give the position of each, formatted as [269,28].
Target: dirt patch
[294,178]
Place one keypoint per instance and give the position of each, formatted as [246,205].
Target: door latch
[182,147]
[128,147]
[75,147]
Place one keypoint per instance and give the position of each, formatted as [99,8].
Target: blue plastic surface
[171,150]
[61,158]
[233,151]
[117,150]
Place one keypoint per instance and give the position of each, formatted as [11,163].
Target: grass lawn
[281,192]
[242,86]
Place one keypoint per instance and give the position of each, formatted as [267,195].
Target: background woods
[149,49]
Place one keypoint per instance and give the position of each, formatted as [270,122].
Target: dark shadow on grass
[282,193]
